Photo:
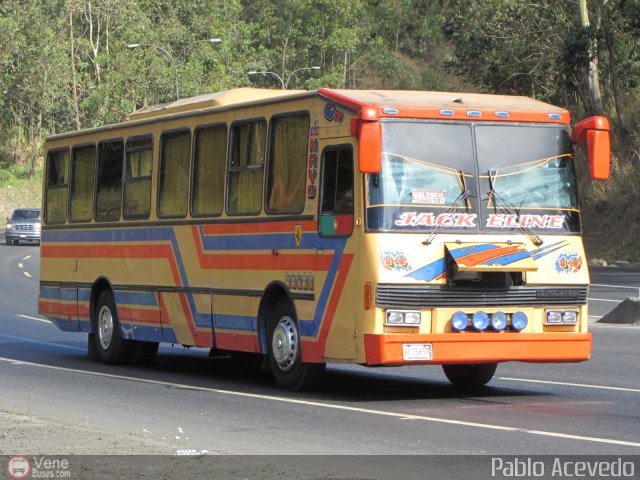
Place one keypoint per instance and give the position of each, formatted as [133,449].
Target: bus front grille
[422,296]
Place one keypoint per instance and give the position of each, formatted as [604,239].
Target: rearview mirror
[595,132]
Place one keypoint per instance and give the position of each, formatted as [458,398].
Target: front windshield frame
[550,148]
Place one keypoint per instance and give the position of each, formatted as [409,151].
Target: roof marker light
[474,113]
[390,111]
[555,116]
[502,114]
[446,112]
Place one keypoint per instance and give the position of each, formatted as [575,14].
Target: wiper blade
[464,194]
[510,209]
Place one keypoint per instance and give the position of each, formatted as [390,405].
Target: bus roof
[413,103]
[353,99]
[356,99]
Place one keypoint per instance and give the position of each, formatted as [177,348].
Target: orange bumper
[386,349]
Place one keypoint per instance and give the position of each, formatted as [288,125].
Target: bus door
[335,301]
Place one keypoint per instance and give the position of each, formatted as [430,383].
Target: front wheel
[111,348]
[470,376]
[285,355]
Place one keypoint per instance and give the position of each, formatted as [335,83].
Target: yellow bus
[379,228]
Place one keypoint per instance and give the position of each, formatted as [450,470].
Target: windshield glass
[25,215]
[425,168]
[472,176]
[532,177]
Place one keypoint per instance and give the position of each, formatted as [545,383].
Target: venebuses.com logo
[19,466]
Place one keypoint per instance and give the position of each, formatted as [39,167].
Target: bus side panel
[235,323]
[60,305]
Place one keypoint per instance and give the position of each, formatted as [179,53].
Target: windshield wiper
[505,207]
[464,194]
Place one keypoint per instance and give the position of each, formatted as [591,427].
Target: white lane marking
[43,320]
[613,286]
[37,342]
[27,274]
[27,257]
[20,265]
[331,406]
[568,384]
[605,300]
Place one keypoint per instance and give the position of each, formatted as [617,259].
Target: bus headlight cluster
[407,318]
[561,317]
[498,321]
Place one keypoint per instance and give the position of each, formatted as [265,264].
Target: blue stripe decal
[429,272]
[147,299]
[472,250]
[265,241]
[310,328]
[235,322]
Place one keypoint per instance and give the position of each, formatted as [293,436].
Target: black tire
[145,352]
[110,346]
[471,375]
[285,355]
[8,241]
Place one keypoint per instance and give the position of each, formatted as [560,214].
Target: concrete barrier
[627,312]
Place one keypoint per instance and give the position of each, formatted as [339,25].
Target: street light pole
[133,46]
[211,41]
[283,83]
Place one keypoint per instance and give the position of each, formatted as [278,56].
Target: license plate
[416,351]
[23,236]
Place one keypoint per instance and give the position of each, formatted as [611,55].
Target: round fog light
[459,321]
[519,321]
[499,321]
[480,321]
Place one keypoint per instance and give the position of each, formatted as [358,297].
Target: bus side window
[209,165]
[286,175]
[137,189]
[109,181]
[83,164]
[57,186]
[336,194]
[173,182]
[248,141]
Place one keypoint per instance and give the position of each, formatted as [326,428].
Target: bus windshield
[470,177]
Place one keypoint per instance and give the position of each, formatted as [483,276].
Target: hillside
[92,62]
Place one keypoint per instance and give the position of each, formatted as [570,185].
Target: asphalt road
[587,408]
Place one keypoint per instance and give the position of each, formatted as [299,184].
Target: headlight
[9,226]
[561,317]
[480,321]
[519,321]
[403,318]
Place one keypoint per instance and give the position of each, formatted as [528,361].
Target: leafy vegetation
[65,65]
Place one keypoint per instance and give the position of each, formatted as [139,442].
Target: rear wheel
[471,375]
[110,346]
[285,355]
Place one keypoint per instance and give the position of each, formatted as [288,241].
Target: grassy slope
[17,191]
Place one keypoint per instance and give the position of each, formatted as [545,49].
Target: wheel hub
[105,327]
[284,343]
